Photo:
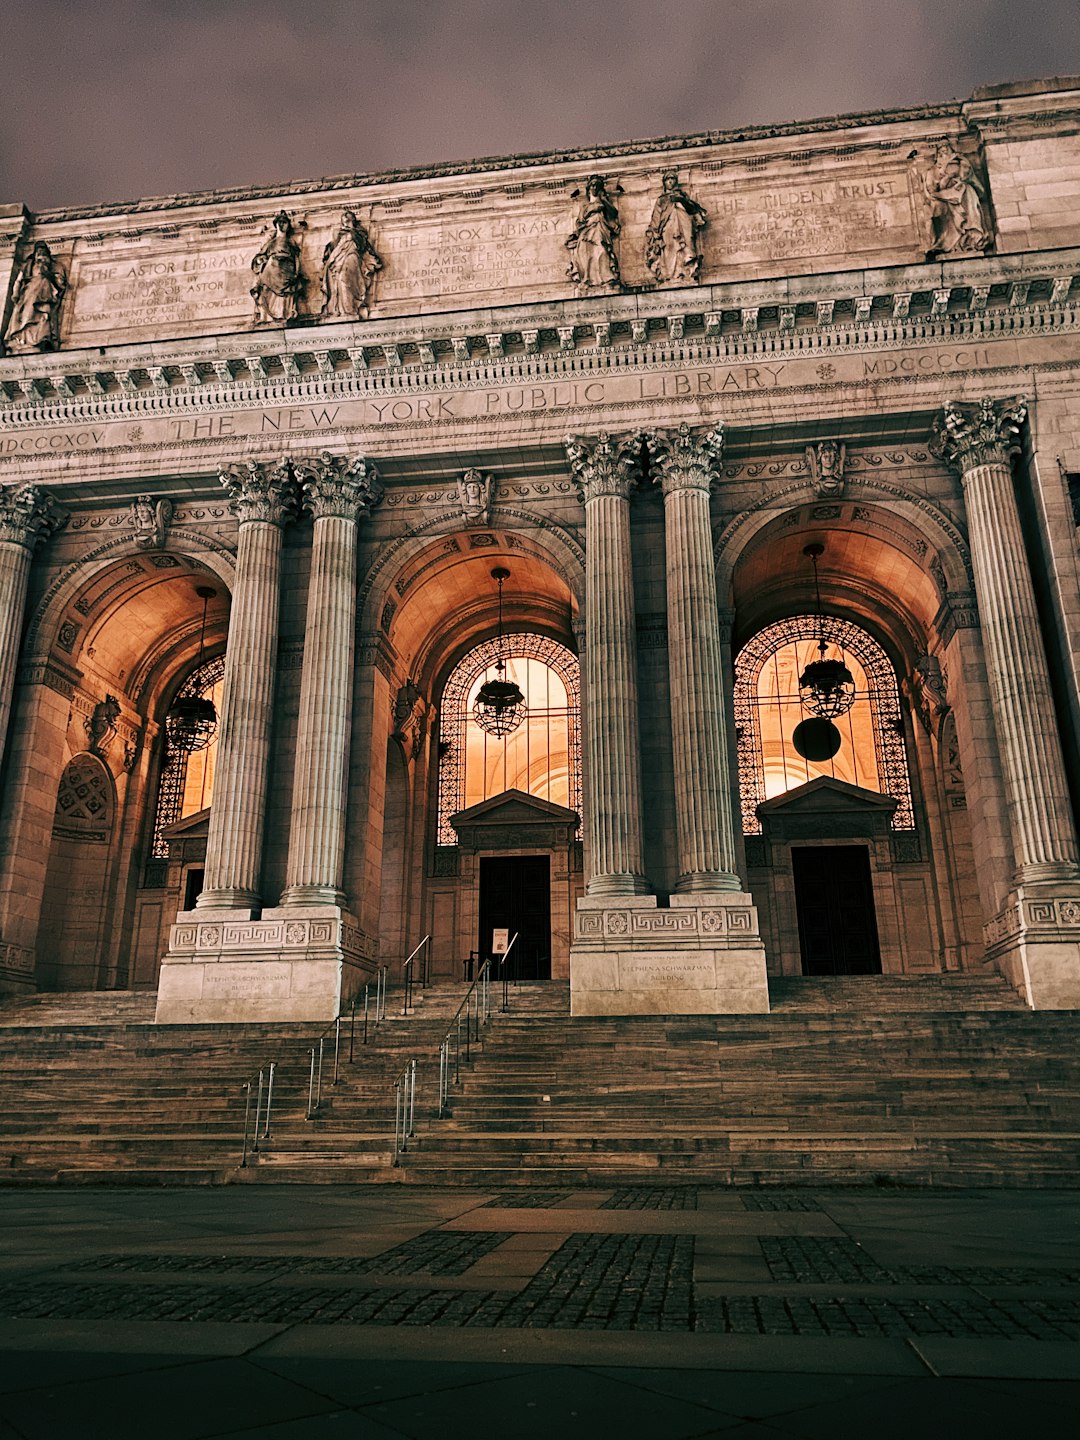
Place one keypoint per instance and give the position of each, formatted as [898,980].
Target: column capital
[338,486]
[604,464]
[28,515]
[261,490]
[686,459]
[985,433]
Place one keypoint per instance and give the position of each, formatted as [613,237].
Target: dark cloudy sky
[113,99]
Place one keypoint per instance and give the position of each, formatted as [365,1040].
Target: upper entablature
[872,191]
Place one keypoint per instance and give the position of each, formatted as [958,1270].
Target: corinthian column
[604,471]
[979,441]
[337,492]
[263,497]
[703,806]
[28,516]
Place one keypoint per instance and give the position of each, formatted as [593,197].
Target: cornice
[138,381]
[951,111]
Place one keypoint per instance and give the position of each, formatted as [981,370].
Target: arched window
[542,756]
[768,708]
[187,781]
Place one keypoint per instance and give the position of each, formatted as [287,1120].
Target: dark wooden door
[834,900]
[515,895]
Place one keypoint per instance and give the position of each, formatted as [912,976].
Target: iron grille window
[767,704]
[532,747]
[174,773]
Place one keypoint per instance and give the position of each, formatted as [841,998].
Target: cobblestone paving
[435,1252]
[968,1315]
[602,1282]
[809,1260]
[623,1284]
[780,1202]
[527,1200]
[639,1197]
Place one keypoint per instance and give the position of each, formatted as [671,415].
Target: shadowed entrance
[515,895]
[834,899]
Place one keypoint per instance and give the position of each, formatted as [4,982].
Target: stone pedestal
[703,956]
[293,963]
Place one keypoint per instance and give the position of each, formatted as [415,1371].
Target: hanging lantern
[499,707]
[191,722]
[826,687]
[816,739]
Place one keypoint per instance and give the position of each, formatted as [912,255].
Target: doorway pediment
[515,821]
[826,809]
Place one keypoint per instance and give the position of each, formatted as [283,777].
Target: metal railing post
[337,1046]
[311,1086]
[269,1100]
[247,1113]
[258,1112]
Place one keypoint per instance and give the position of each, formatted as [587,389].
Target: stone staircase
[946,1080]
[91,1090]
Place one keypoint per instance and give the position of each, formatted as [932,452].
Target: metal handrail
[472,1014]
[407,973]
[504,974]
[404,1108]
[265,1080]
[317,1052]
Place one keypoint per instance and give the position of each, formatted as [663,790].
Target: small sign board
[500,941]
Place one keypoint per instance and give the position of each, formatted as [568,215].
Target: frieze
[694,383]
[719,925]
[16,961]
[236,936]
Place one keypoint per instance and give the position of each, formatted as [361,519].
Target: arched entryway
[860,861]
[451,803]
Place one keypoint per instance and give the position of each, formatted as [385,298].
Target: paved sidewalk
[298,1313]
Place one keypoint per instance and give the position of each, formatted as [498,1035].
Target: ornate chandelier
[191,722]
[826,687]
[500,706]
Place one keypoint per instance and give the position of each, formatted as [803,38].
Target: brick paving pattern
[773,1201]
[636,1197]
[435,1252]
[809,1260]
[967,1316]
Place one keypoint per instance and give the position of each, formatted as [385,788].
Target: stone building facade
[715,408]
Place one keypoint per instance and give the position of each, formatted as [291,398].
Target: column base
[1035,943]
[294,963]
[230,898]
[297,895]
[703,956]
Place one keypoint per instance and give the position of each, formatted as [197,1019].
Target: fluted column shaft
[27,518]
[612,749]
[979,441]
[262,499]
[703,803]
[337,492]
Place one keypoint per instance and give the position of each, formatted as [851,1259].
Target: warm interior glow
[199,774]
[780,710]
[536,756]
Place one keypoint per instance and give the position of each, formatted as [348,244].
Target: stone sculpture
[101,725]
[826,465]
[350,264]
[36,296]
[150,520]
[591,243]
[476,492]
[279,285]
[672,241]
[956,197]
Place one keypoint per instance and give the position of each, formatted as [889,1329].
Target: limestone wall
[802,199]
